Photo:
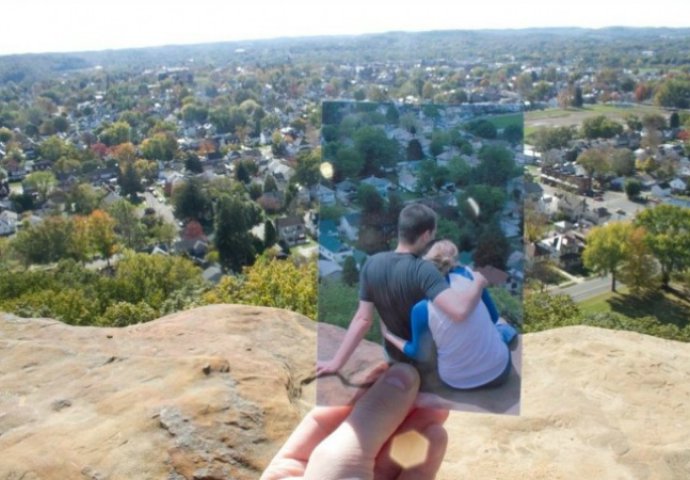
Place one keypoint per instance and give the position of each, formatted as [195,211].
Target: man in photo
[393,282]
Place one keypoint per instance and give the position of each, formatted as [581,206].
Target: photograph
[421,251]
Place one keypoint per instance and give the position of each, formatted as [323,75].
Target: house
[678,186]
[8,222]
[213,273]
[572,206]
[325,195]
[381,185]
[345,191]
[280,170]
[330,246]
[407,180]
[565,249]
[291,230]
[661,190]
[329,271]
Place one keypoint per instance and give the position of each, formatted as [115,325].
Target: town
[213,157]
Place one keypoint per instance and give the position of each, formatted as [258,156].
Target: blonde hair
[444,254]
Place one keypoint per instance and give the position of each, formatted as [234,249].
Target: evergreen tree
[350,273]
[270,234]
[232,238]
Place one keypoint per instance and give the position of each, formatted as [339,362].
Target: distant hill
[614,46]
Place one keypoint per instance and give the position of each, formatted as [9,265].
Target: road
[165,210]
[587,289]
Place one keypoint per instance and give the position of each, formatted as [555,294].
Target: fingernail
[400,376]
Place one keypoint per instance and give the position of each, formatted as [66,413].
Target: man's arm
[458,305]
[359,326]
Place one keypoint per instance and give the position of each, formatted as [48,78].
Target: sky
[33,26]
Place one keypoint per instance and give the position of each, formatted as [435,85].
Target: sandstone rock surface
[207,393]
[211,393]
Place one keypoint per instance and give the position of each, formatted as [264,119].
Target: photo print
[421,251]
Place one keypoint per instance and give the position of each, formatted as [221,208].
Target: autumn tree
[101,228]
[639,271]
[606,249]
[273,283]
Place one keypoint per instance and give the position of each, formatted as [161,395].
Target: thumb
[351,451]
[381,410]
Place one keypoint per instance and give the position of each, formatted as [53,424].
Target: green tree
[127,223]
[130,182]
[234,243]
[270,184]
[376,149]
[161,146]
[53,148]
[544,311]
[482,128]
[350,272]
[606,249]
[633,188]
[674,92]
[547,138]
[600,127]
[191,201]
[493,247]
[668,237]
[270,234]
[45,242]
[121,314]
[101,232]
[490,201]
[497,166]
[117,133]
[595,162]
[307,171]
[348,163]
[42,183]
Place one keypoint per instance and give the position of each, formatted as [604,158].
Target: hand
[354,441]
[326,367]
[479,277]
[493,275]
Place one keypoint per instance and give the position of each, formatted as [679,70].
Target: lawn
[559,117]
[664,306]
[502,121]
[338,303]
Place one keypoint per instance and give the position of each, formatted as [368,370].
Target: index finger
[317,425]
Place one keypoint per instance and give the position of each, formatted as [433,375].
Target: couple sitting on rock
[437,316]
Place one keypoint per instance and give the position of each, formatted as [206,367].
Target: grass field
[559,117]
[664,306]
[502,121]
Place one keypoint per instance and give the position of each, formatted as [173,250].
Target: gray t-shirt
[394,282]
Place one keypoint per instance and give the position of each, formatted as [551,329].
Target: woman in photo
[470,354]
